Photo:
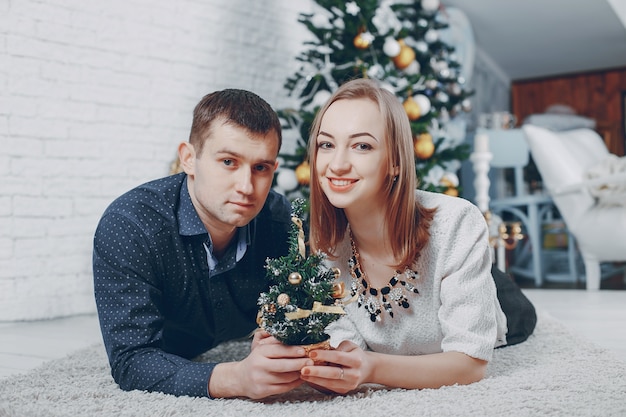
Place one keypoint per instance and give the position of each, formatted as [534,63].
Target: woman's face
[351,157]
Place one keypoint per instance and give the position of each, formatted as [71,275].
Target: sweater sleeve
[470,316]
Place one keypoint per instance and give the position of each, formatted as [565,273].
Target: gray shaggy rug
[553,373]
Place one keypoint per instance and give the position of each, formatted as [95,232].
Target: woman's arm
[351,366]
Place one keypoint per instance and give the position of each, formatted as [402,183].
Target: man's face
[230,180]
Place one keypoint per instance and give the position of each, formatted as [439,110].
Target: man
[178,262]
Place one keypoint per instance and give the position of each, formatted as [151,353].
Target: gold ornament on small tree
[295,278]
[282,299]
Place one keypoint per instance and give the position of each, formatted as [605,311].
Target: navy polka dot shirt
[162,298]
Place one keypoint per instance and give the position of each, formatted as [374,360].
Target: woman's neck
[371,238]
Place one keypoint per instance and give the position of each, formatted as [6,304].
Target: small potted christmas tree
[304,296]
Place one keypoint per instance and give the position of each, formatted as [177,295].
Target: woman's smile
[341,184]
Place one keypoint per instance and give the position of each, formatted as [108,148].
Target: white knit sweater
[456,309]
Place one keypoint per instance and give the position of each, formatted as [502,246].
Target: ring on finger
[341,373]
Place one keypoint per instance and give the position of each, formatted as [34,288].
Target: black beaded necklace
[374,300]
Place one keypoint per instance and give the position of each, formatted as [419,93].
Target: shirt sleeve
[470,316]
[130,305]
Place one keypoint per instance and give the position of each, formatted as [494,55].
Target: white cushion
[608,193]
[559,168]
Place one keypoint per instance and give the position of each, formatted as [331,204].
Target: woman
[417,263]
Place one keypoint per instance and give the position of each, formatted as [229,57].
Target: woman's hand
[349,366]
[340,370]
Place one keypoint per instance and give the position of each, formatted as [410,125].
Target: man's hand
[271,368]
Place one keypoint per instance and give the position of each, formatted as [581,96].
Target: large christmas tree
[398,43]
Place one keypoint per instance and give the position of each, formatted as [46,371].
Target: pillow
[559,122]
[609,193]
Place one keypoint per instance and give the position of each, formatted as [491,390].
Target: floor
[595,315]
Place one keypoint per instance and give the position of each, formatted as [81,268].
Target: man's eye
[228,162]
[261,168]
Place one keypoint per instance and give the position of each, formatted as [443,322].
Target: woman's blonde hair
[407,222]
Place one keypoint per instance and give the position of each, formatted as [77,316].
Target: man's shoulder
[276,208]
[157,196]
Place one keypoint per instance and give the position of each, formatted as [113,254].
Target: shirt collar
[189,223]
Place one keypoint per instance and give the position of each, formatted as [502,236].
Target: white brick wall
[95,96]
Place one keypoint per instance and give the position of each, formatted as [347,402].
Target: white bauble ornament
[320,98]
[466,105]
[391,47]
[376,71]
[449,179]
[455,89]
[442,97]
[432,83]
[423,102]
[413,68]
[421,47]
[430,5]
[431,36]
[286,179]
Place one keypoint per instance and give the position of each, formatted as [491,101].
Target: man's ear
[187,157]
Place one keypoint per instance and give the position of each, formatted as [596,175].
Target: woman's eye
[324,145]
[363,147]
[228,162]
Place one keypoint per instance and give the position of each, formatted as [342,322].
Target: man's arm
[130,303]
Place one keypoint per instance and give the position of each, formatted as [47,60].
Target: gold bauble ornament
[303,173]
[336,272]
[412,109]
[405,57]
[446,182]
[295,278]
[339,289]
[282,299]
[424,146]
[360,42]
[452,191]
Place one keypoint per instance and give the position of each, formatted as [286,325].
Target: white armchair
[565,161]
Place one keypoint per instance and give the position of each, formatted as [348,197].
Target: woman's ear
[187,157]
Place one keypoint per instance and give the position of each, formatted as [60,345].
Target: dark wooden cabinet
[599,95]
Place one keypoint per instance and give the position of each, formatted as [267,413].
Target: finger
[332,356]
[325,372]
[269,340]
[279,350]
[347,346]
